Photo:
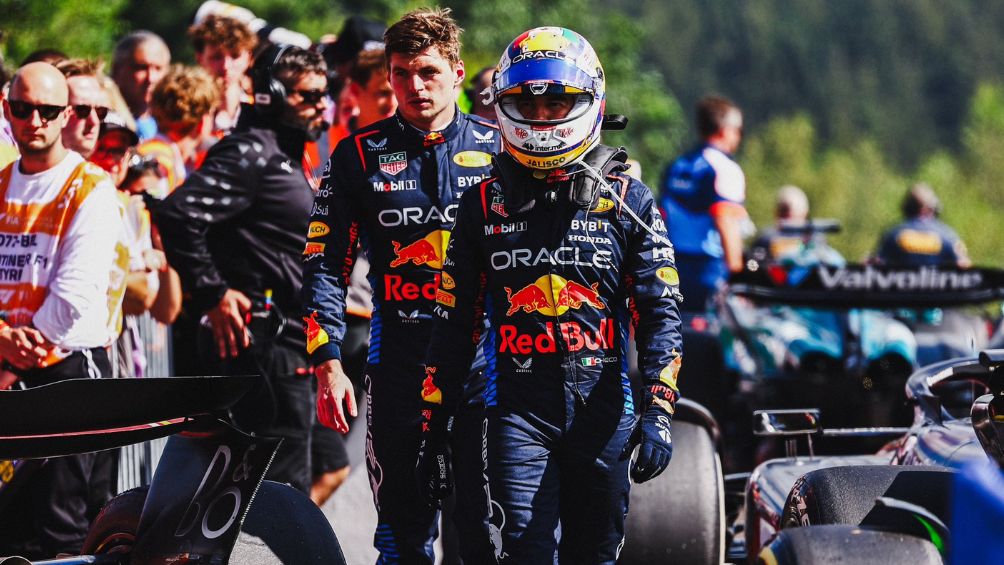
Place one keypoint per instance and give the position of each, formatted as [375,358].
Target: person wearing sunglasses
[151,284]
[89,103]
[56,295]
[234,232]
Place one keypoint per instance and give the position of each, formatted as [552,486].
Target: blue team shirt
[693,185]
[920,242]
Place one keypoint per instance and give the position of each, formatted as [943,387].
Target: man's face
[546,107]
[34,133]
[86,95]
[141,72]
[305,104]
[222,64]
[377,98]
[426,87]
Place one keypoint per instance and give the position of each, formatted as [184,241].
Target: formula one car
[679,517]
[778,317]
[207,502]
[845,338]
[890,506]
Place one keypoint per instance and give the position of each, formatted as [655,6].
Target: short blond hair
[80,67]
[183,97]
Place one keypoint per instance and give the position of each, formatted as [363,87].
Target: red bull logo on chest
[429,251]
[552,295]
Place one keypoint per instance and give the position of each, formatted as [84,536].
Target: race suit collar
[424,138]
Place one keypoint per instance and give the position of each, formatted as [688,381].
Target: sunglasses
[311,96]
[83,111]
[23,110]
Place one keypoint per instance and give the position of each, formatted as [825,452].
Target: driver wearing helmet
[562,253]
[922,239]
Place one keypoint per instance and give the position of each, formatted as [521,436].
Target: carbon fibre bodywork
[954,423]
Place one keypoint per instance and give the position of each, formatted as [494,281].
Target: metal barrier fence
[138,462]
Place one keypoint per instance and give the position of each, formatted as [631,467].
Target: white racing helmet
[549,60]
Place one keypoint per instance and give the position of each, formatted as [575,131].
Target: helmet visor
[549,108]
[528,74]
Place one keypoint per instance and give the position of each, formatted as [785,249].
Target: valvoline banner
[851,286]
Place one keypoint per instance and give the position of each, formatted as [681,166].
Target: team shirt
[62,253]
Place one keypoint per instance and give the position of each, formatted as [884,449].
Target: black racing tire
[848,545]
[282,526]
[679,516]
[846,495]
[703,378]
[114,528]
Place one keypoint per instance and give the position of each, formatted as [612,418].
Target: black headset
[269,92]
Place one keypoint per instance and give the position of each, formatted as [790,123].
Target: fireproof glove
[656,446]
[434,469]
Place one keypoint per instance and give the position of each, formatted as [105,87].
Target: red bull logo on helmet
[429,251]
[553,295]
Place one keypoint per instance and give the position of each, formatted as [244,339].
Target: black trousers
[51,512]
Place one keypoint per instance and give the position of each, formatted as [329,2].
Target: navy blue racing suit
[395,189]
[561,287]
[920,242]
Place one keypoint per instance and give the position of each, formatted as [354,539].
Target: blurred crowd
[97,154]
[137,195]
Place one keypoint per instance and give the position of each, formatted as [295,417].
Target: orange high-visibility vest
[31,233]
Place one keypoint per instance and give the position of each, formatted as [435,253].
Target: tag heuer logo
[498,205]
[394,163]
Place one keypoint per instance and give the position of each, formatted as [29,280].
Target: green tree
[656,123]
[899,72]
[859,186]
[86,28]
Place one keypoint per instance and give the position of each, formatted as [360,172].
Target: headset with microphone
[269,92]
